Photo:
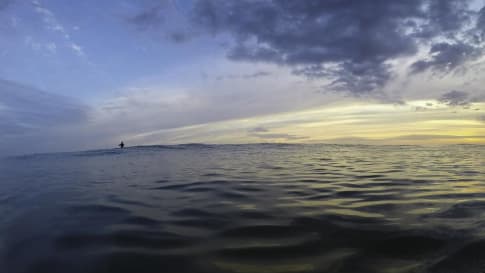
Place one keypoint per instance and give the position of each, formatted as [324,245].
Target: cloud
[351,43]
[27,113]
[264,133]
[480,26]
[455,98]
[149,17]
[286,137]
[257,74]
[258,130]
[421,109]
[445,57]
[159,14]
[408,140]
[52,24]
[460,98]
[179,37]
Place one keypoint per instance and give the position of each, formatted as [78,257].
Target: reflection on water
[245,208]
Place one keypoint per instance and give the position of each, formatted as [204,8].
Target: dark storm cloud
[464,99]
[151,16]
[481,20]
[349,42]
[445,17]
[455,98]
[24,110]
[446,57]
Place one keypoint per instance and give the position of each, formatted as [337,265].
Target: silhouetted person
[122,145]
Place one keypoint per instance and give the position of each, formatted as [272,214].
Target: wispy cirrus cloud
[52,24]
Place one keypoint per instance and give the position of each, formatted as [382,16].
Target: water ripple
[245,208]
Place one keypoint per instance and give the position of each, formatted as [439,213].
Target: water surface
[245,208]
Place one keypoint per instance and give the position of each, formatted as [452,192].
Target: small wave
[245,208]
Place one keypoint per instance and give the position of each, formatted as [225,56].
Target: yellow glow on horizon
[416,122]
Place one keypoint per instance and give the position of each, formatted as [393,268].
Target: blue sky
[86,48]
[86,74]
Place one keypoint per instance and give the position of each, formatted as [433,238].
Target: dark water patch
[6,199]
[170,187]
[162,181]
[200,189]
[232,195]
[462,210]
[122,201]
[351,220]
[368,176]
[141,221]
[407,246]
[451,196]
[349,193]
[100,182]
[191,212]
[201,223]
[56,265]
[127,239]
[307,248]
[323,190]
[316,197]
[354,185]
[129,262]
[262,231]
[271,167]
[398,182]
[254,215]
[469,173]
[380,207]
[370,197]
[308,180]
[211,175]
[298,192]
[182,186]
[248,189]
[96,209]
[468,259]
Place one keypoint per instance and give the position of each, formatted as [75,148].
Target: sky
[79,75]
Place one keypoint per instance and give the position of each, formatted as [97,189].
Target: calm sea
[245,208]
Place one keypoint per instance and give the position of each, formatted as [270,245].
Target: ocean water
[245,208]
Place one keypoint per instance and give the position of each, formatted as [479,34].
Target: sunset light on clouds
[168,72]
